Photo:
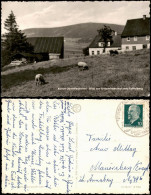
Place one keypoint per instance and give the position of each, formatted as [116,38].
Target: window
[98,52]
[108,44]
[133,47]
[128,38]
[92,52]
[147,37]
[101,44]
[135,38]
[127,47]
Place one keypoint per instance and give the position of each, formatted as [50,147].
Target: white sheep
[39,79]
[83,65]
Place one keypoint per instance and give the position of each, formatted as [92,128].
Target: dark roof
[137,27]
[46,44]
[116,42]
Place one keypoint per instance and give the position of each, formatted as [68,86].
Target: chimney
[115,33]
[144,17]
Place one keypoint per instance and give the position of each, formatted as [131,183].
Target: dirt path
[45,64]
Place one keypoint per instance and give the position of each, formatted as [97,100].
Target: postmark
[132,117]
[76,108]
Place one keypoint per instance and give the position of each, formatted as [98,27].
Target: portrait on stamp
[133,115]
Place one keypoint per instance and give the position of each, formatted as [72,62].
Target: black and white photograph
[75,49]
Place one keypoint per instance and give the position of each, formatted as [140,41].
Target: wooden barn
[136,34]
[48,47]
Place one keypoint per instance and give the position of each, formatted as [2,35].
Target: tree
[14,40]
[106,36]
[10,23]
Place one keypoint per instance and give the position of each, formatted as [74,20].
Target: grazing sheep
[83,65]
[39,79]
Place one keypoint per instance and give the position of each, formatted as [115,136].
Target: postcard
[75,49]
[75,146]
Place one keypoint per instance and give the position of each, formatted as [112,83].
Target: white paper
[73,146]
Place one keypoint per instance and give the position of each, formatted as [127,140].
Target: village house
[136,34]
[96,47]
[48,47]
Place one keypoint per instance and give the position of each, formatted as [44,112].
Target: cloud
[54,14]
[36,19]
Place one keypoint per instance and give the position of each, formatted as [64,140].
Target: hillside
[124,75]
[83,30]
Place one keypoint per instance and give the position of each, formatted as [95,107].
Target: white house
[96,47]
[136,34]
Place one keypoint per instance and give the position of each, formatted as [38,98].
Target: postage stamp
[132,117]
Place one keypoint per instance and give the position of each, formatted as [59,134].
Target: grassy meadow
[129,70]
[73,47]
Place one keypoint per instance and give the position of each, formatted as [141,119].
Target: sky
[48,14]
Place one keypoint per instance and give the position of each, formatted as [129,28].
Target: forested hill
[84,30]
